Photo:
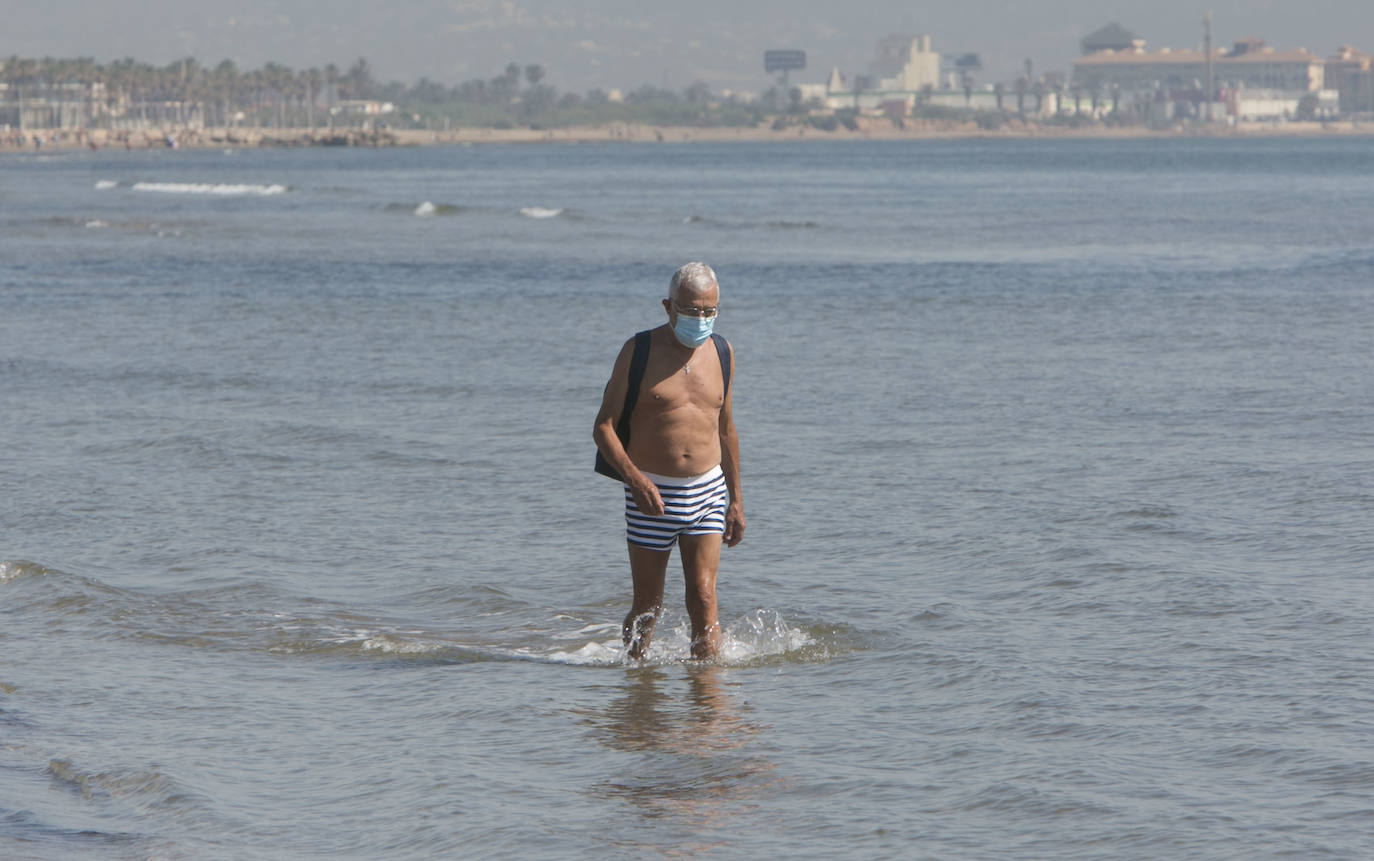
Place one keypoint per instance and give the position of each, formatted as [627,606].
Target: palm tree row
[276,95]
[271,93]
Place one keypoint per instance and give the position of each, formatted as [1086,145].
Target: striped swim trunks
[691,506]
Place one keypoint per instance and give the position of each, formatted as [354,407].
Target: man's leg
[647,568]
[700,559]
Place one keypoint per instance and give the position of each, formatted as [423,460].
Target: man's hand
[734,524]
[646,496]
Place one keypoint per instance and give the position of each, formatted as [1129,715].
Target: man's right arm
[603,432]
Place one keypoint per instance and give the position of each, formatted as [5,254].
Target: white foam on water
[607,628]
[96,222]
[215,188]
[15,569]
[759,634]
[539,212]
[607,654]
[426,209]
[105,184]
[394,645]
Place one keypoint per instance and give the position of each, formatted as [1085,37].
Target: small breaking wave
[779,224]
[106,184]
[225,189]
[426,209]
[761,636]
[539,212]
[322,640]
[149,787]
[258,619]
[17,569]
[96,223]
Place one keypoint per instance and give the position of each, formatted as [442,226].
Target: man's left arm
[729,465]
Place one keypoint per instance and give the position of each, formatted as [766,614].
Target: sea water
[1058,463]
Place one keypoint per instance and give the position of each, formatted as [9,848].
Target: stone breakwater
[350,137]
[866,129]
[198,138]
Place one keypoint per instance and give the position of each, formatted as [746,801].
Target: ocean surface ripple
[1056,460]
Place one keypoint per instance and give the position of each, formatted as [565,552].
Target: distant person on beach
[678,457]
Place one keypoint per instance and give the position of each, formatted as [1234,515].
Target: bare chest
[696,383]
[685,389]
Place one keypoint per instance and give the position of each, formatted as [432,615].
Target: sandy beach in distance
[868,129]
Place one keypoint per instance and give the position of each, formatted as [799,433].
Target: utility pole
[1207,47]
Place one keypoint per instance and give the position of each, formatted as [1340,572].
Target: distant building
[1112,37]
[1252,80]
[160,115]
[66,105]
[905,64]
[81,105]
[1249,63]
[905,72]
[1351,74]
[362,108]
[835,83]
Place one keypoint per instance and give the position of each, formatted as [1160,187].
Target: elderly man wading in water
[678,456]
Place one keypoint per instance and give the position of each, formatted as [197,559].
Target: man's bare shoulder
[622,358]
[657,336]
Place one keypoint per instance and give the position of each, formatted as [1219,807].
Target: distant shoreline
[635,133]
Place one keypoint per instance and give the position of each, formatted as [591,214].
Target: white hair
[693,277]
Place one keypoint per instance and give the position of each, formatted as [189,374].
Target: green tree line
[277,95]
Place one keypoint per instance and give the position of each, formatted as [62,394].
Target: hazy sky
[625,43]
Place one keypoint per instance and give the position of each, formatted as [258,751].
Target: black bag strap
[639,360]
[723,350]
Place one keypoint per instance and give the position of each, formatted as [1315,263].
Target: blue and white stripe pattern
[691,506]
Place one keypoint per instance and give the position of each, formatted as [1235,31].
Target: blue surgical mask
[693,331]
